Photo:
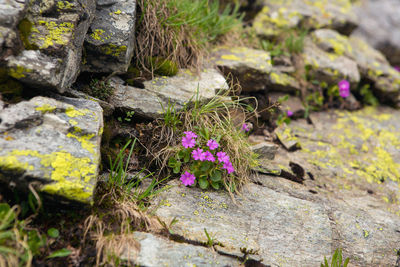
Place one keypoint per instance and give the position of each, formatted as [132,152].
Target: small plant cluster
[100,89]
[206,162]
[337,260]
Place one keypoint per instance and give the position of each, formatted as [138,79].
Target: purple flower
[245,127]
[344,88]
[289,113]
[190,134]
[222,157]
[188,142]
[208,156]
[198,154]
[397,68]
[212,144]
[187,178]
[228,166]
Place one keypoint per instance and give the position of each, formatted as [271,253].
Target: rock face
[349,198]
[110,40]
[279,15]
[372,65]
[53,142]
[52,33]
[158,251]
[178,90]
[329,67]
[379,25]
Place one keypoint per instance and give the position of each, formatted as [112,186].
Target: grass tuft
[179,31]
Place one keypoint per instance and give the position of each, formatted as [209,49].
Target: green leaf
[216,176]
[177,169]
[346,262]
[53,232]
[172,162]
[203,183]
[60,253]
[215,185]
[205,166]
[181,154]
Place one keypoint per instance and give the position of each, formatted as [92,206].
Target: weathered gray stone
[281,229]
[282,82]
[379,25]
[53,142]
[178,90]
[265,150]
[108,109]
[248,66]
[157,251]
[53,33]
[279,15]
[372,65]
[293,103]
[11,12]
[110,41]
[329,67]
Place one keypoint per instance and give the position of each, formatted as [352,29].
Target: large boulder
[52,33]
[159,93]
[109,43]
[379,25]
[279,15]
[55,143]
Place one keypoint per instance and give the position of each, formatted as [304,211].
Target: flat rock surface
[53,142]
[349,198]
[157,93]
[171,253]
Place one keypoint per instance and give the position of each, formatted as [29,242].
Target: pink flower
[222,157]
[188,142]
[187,178]
[289,113]
[208,156]
[397,68]
[245,127]
[198,154]
[228,167]
[344,88]
[212,144]
[190,134]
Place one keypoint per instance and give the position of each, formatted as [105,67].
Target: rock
[53,142]
[248,66]
[373,66]
[375,69]
[108,109]
[178,90]
[158,251]
[110,40]
[277,227]
[293,103]
[379,25]
[11,12]
[329,67]
[53,33]
[279,15]
[282,82]
[265,150]
[287,139]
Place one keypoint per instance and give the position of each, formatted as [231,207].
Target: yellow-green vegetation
[164,67]
[181,30]
[10,89]
[18,71]
[114,50]
[25,28]
[18,242]
[337,260]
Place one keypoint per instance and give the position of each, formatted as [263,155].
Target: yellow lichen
[97,34]
[84,140]
[53,33]
[114,50]
[72,112]
[18,72]
[64,5]
[45,108]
